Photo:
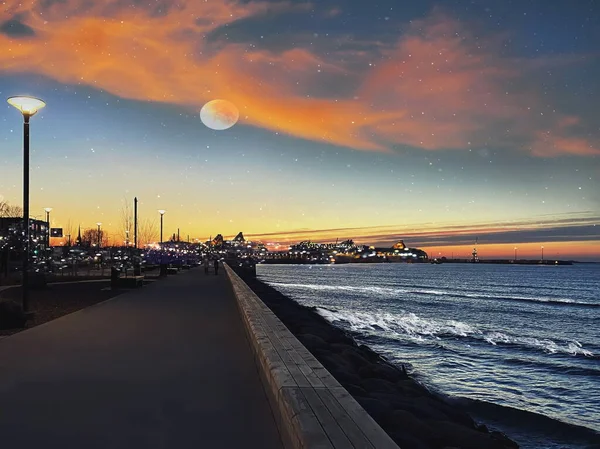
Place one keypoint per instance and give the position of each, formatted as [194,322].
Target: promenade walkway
[165,366]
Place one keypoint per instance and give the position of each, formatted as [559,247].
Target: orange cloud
[435,89]
[452,90]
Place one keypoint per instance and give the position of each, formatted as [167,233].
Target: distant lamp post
[515,253]
[48,210]
[542,254]
[162,213]
[28,107]
[99,224]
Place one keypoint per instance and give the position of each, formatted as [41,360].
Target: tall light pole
[515,253]
[48,210]
[28,107]
[542,254]
[162,213]
[99,224]
[135,223]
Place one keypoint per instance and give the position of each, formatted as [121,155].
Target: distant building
[399,252]
[218,240]
[11,240]
[78,241]
[11,228]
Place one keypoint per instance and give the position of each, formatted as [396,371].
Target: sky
[435,122]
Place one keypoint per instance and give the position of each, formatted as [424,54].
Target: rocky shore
[413,416]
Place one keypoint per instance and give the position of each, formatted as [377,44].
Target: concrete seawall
[311,408]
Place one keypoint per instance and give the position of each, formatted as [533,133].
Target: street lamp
[99,224]
[161,212]
[28,107]
[48,210]
[515,253]
[542,254]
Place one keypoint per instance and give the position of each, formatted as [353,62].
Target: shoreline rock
[412,415]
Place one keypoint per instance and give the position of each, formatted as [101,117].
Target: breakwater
[385,260]
[311,409]
[412,415]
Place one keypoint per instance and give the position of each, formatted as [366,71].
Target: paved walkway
[165,366]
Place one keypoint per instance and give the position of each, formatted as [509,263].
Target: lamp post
[48,210]
[162,213]
[28,107]
[515,253]
[542,254]
[99,224]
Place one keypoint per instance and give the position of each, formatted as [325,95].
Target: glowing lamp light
[48,209]
[27,105]
[161,211]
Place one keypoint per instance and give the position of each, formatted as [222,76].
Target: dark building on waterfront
[347,252]
[11,228]
[11,241]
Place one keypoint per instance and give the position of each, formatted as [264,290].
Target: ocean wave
[547,345]
[529,428]
[428,330]
[390,291]
[570,370]
[539,299]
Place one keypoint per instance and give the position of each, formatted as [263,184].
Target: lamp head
[99,224]
[48,209]
[161,211]
[27,105]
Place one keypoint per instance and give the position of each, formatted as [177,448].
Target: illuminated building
[401,253]
[11,240]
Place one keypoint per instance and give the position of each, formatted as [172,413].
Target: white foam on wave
[428,330]
[543,299]
[547,345]
[392,291]
[387,291]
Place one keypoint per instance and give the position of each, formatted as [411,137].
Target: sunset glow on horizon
[440,127]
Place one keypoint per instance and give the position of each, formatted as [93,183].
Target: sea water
[507,337]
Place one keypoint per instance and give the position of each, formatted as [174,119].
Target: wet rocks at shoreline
[413,416]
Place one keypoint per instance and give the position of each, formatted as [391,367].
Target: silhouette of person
[206,265]
[216,266]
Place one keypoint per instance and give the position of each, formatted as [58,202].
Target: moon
[219,114]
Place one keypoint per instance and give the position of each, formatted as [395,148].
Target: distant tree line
[10,211]
[147,227]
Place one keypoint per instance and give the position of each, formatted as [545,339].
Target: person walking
[206,265]
[216,266]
